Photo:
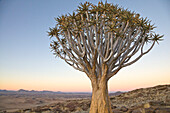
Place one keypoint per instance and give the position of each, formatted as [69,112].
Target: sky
[27,63]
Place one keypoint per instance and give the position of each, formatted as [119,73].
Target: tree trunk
[100,102]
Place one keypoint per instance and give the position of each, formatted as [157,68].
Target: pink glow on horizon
[80,89]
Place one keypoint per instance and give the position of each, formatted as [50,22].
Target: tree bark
[100,102]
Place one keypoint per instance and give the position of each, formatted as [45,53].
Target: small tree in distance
[99,40]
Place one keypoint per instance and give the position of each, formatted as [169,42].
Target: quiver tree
[100,40]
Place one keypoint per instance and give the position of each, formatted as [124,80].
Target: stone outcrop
[145,100]
[137,97]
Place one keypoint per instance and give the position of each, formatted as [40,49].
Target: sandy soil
[14,101]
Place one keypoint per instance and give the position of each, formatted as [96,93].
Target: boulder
[124,109]
[147,105]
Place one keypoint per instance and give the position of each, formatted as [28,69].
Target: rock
[139,110]
[117,111]
[147,105]
[158,94]
[157,103]
[149,110]
[27,111]
[162,110]
[78,109]
[124,109]
[48,111]
[113,107]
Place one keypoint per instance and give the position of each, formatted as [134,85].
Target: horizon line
[61,91]
[83,91]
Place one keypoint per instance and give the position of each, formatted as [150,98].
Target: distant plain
[13,101]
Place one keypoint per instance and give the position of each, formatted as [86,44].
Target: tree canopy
[100,34]
[100,40]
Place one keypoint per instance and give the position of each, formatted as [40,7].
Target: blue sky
[26,61]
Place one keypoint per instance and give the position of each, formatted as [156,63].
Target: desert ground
[14,101]
[145,100]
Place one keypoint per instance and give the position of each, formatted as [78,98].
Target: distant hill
[32,91]
[22,90]
[54,92]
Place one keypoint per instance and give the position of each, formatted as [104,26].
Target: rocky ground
[146,100]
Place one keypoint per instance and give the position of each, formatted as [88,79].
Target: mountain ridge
[55,92]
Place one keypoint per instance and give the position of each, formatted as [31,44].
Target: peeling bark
[100,102]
